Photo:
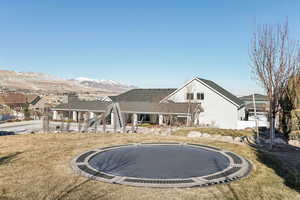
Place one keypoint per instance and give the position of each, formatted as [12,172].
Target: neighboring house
[17,101]
[261,104]
[221,108]
[199,101]
[39,106]
[259,98]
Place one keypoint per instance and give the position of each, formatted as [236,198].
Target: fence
[251,124]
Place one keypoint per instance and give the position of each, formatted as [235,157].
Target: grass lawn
[37,167]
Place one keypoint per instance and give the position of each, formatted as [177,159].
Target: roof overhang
[79,110]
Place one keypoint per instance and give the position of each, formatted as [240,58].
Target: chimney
[70,97]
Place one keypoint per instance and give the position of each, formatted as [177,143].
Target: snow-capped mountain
[103,84]
[84,79]
[43,82]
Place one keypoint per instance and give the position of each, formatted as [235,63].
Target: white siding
[218,111]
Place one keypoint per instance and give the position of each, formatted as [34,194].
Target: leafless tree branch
[275,59]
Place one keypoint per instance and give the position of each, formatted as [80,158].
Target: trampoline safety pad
[162,165]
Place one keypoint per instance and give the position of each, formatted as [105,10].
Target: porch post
[79,116]
[188,120]
[132,124]
[112,119]
[103,122]
[124,122]
[160,119]
[115,123]
[92,115]
[55,115]
[135,119]
[75,116]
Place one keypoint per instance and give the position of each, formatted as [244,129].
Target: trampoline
[162,165]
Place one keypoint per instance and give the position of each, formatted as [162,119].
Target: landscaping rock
[227,139]
[206,135]
[164,134]
[237,140]
[194,134]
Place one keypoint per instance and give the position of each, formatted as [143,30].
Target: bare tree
[190,98]
[275,59]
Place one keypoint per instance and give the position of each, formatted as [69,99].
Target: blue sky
[145,43]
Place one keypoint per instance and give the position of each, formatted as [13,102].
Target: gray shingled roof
[258,97]
[222,91]
[128,106]
[258,105]
[144,95]
[84,105]
[155,107]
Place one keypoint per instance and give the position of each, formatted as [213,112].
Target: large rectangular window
[200,96]
[190,96]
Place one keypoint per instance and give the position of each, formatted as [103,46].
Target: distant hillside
[103,85]
[43,82]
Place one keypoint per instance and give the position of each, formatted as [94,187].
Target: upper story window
[190,96]
[200,96]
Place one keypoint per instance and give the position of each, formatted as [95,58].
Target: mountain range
[32,81]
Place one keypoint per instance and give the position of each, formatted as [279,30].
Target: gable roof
[130,107]
[83,105]
[145,95]
[257,105]
[222,91]
[216,88]
[258,97]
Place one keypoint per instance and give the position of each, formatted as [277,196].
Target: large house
[261,105]
[199,101]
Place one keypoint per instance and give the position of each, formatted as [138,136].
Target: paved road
[21,127]
[27,127]
[12,128]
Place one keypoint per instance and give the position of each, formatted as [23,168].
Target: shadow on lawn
[282,160]
[9,158]
[228,192]
[75,188]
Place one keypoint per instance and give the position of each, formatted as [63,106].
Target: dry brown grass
[34,167]
[215,131]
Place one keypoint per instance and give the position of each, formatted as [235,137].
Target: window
[190,96]
[200,96]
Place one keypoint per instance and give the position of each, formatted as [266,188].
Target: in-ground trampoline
[162,165]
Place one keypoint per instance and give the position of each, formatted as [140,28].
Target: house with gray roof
[199,101]
[261,105]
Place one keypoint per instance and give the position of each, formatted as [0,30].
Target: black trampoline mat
[159,161]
